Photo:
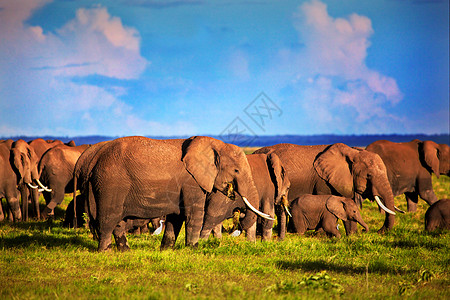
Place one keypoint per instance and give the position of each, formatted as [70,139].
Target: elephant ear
[336,206]
[333,166]
[201,161]
[277,171]
[19,161]
[430,155]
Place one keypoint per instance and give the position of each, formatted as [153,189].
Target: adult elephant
[272,185]
[24,161]
[410,167]
[26,157]
[55,170]
[336,170]
[140,178]
[8,183]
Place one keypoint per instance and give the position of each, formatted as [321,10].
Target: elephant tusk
[32,186]
[287,210]
[259,213]
[40,190]
[383,207]
[42,186]
[399,210]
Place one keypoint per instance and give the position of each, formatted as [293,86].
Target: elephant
[410,166]
[272,185]
[141,178]
[26,157]
[438,215]
[338,170]
[24,161]
[322,212]
[55,170]
[8,183]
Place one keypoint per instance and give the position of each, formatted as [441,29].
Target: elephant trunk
[386,203]
[363,224]
[251,199]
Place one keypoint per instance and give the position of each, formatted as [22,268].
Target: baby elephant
[322,212]
[438,215]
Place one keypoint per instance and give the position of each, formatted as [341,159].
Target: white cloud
[37,92]
[332,80]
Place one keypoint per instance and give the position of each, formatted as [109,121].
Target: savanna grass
[46,261]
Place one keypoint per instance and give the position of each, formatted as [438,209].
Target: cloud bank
[37,76]
[329,75]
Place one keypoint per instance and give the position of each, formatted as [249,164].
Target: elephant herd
[201,181]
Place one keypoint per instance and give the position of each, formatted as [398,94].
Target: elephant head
[436,157]
[357,173]
[345,209]
[223,167]
[26,161]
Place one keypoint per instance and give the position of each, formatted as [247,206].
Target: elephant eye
[236,171]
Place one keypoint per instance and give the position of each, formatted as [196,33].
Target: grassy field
[44,260]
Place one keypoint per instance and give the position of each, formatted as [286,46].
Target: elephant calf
[438,215]
[322,212]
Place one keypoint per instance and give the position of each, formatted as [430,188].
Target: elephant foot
[47,213]
[193,246]
[123,248]
[122,243]
[167,244]
[383,230]
[104,249]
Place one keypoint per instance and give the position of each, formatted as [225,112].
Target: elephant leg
[330,227]
[251,233]
[281,226]
[173,227]
[106,229]
[267,225]
[120,236]
[24,196]
[411,201]
[428,195]
[351,227]
[2,215]
[35,201]
[267,233]
[388,223]
[194,212]
[217,231]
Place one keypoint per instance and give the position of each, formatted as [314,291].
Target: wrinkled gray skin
[56,172]
[322,212]
[438,215]
[8,183]
[272,184]
[410,166]
[335,170]
[140,178]
[26,157]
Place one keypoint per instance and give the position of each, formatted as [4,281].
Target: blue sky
[180,67]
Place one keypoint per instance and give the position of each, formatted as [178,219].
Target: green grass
[45,260]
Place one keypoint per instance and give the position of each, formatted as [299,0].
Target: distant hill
[268,140]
